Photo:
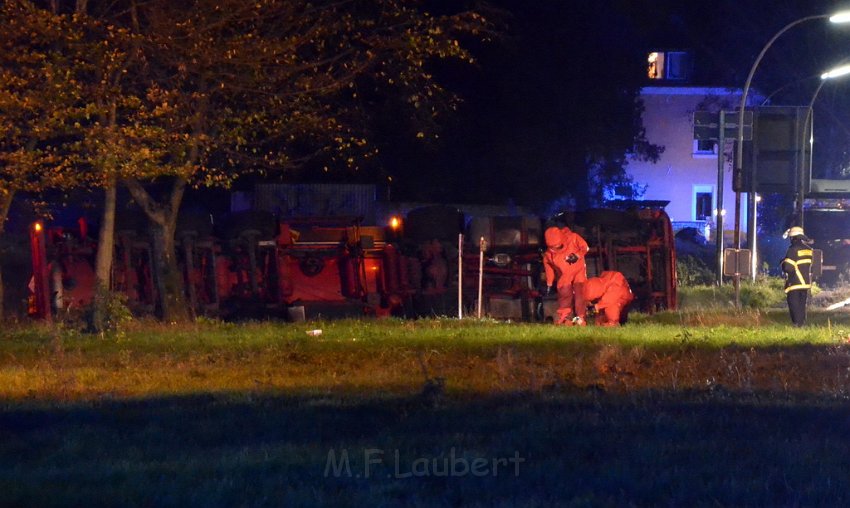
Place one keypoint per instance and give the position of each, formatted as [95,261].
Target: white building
[686,174]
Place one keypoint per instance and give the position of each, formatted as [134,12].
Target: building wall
[680,172]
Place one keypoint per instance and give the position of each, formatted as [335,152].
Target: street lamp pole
[739,155]
[809,132]
[841,17]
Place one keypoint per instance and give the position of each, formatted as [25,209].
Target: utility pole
[721,165]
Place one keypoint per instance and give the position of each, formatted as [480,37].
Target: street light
[835,72]
[839,17]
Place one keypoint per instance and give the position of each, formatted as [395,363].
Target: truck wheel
[311,265]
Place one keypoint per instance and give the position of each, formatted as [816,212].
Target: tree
[201,92]
[39,105]
[118,139]
[234,88]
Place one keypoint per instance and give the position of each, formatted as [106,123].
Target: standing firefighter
[564,261]
[797,266]
[610,294]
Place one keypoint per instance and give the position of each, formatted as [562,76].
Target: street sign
[776,161]
[817,263]
[737,262]
[706,119]
[707,125]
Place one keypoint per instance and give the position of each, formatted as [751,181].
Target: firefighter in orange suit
[564,261]
[610,294]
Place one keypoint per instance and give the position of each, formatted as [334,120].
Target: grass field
[689,408]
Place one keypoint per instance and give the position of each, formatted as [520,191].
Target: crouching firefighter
[564,263]
[610,295]
[797,267]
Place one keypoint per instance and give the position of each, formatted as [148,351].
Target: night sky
[559,85]
[556,87]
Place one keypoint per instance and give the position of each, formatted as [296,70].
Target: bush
[764,293]
[704,296]
[116,313]
[692,271]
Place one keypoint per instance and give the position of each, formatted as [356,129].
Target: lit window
[654,65]
[669,65]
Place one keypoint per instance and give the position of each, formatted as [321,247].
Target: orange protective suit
[611,295]
[564,261]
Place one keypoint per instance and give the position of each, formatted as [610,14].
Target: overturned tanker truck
[435,261]
[246,265]
[638,242]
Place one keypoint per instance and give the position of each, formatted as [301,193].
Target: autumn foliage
[199,93]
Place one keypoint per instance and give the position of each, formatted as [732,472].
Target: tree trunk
[105,250]
[171,300]
[5,205]
[169,279]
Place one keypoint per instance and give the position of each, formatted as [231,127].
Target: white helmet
[794,231]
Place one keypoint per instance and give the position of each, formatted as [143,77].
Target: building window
[656,65]
[623,191]
[703,202]
[704,148]
[669,65]
[677,66]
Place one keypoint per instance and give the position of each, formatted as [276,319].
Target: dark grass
[581,447]
[677,409]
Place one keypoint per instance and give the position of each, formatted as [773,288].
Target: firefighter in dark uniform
[797,267]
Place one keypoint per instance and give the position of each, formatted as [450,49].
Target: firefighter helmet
[794,231]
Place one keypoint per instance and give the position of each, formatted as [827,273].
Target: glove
[572,258]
